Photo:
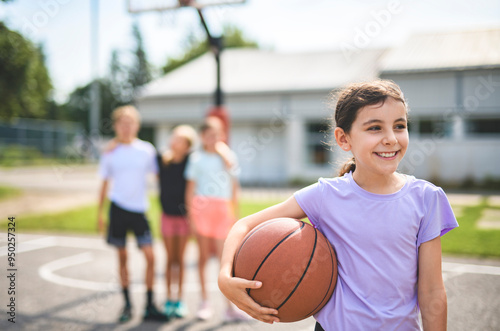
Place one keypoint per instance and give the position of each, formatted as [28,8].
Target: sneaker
[169,308]
[204,312]
[180,309]
[234,314]
[153,314]
[126,314]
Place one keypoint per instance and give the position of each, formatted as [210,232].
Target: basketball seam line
[330,249]
[272,250]
[243,243]
[304,273]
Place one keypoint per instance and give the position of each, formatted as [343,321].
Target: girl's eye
[401,126]
[374,128]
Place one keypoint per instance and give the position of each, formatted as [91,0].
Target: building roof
[256,71]
[445,51]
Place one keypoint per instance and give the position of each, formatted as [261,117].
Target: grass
[465,240]
[7,192]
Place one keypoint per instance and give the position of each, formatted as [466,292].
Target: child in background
[385,226]
[127,166]
[211,199]
[174,223]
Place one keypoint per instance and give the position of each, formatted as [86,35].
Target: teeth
[387,154]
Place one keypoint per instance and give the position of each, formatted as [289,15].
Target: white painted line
[471,268]
[47,272]
[31,245]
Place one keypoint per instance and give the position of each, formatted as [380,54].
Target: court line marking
[31,245]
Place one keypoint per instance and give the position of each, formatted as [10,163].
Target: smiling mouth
[387,155]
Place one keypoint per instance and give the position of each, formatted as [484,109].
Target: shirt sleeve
[310,200]
[438,219]
[190,172]
[105,166]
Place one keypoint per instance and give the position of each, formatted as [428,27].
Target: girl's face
[209,138]
[179,144]
[378,138]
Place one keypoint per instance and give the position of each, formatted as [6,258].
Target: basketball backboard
[140,6]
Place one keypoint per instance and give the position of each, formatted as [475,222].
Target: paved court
[71,283]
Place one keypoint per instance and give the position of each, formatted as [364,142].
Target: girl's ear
[342,139]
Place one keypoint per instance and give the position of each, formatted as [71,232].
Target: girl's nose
[390,139]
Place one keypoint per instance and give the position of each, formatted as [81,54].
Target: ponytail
[349,166]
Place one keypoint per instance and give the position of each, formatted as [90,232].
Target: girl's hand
[100,224]
[111,145]
[225,153]
[234,289]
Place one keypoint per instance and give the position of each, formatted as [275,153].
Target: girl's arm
[225,153]
[236,198]
[431,292]
[100,208]
[188,200]
[235,288]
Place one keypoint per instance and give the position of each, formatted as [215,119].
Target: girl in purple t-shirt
[385,226]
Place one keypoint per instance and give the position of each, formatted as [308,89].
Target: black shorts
[318,327]
[121,221]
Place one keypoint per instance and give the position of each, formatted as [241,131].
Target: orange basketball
[296,264]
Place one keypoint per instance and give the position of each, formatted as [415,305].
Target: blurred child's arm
[225,153]
[188,200]
[235,288]
[100,210]
[236,198]
[431,291]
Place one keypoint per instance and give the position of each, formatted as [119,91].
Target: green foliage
[14,155]
[79,103]
[24,80]
[117,90]
[195,47]
[7,192]
[140,72]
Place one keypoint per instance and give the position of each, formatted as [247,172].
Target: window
[483,126]
[317,148]
[434,126]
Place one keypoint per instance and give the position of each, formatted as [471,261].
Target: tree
[195,47]
[25,84]
[140,72]
[79,103]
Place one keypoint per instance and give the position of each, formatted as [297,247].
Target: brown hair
[356,96]
[125,110]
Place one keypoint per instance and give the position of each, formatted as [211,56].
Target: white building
[452,83]
[279,105]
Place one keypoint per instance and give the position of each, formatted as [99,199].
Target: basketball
[296,264]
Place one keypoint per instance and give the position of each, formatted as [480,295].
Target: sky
[63,27]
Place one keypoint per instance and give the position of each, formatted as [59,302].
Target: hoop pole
[216,47]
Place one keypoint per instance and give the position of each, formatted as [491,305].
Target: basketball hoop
[139,6]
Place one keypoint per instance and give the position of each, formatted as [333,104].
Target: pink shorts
[212,217]
[173,225]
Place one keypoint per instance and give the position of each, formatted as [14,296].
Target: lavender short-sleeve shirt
[376,238]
